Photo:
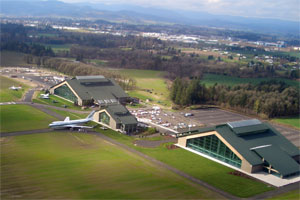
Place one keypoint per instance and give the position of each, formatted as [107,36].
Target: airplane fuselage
[63,123]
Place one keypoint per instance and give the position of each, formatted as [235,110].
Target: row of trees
[268,98]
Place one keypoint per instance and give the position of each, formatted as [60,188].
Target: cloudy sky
[281,9]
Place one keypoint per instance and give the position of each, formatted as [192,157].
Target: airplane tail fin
[67,119]
[90,116]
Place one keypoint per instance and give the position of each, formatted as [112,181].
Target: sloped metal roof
[243,140]
[279,159]
[97,89]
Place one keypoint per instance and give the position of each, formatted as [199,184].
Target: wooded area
[270,98]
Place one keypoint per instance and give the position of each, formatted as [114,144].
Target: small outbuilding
[116,117]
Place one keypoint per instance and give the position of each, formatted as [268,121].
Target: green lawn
[292,195]
[11,95]
[59,102]
[211,79]
[22,117]
[13,59]
[72,115]
[62,165]
[293,121]
[149,80]
[199,167]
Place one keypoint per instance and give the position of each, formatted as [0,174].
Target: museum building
[250,145]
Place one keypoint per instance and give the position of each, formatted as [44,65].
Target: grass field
[59,102]
[199,167]
[292,195]
[293,121]
[211,79]
[59,47]
[62,165]
[152,81]
[72,115]
[12,59]
[22,117]
[11,95]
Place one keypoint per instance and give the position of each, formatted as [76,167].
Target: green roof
[120,114]
[245,138]
[97,88]
[282,162]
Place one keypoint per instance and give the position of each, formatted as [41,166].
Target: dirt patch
[171,146]
[238,173]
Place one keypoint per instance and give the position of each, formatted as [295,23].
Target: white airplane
[72,124]
[44,96]
[15,88]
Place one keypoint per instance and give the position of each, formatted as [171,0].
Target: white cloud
[282,9]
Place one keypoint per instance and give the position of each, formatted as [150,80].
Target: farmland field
[293,121]
[10,95]
[13,59]
[59,47]
[22,117]
[62,165]
[199,167]
[211,79]
[151,85]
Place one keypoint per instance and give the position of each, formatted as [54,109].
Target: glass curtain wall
[65,92]
[104,118]
[212,146]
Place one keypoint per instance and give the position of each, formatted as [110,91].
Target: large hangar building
[250,145]
[104,92]
[89,90]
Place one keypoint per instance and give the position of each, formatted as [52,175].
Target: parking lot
[202,117]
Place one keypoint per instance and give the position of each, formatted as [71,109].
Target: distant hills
[141,15]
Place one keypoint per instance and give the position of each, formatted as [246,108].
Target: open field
[211,79]
[151,85]
[13,59]
[62,165]
[199,167]
[293,121]
[58,102]
[293,195]
[11,95]
[22,117]
[59,47]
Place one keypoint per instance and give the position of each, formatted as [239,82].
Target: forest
[271,98]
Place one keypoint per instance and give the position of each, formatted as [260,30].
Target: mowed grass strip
[199,167]
[292,195]
[81,166]
[7,94]
[211,79]
[22,118]
[72,115]
[292,121]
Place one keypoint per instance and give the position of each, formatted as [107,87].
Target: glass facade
[65,92]
[104,118]
[212,146]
